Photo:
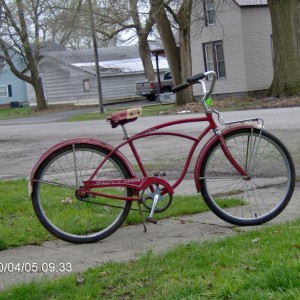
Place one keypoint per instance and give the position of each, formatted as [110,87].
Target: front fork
[255,123]
[228,154]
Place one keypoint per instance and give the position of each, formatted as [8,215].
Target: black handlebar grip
[180,87]
[195,78]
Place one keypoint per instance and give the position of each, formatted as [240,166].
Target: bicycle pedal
[151,220]
[160,174]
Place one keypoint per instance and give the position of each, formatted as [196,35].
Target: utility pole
[96,57]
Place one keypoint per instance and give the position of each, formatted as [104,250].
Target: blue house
[13,91]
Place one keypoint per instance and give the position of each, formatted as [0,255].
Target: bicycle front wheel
[258,197]
[62,212]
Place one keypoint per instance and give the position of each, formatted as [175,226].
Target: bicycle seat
[125,116]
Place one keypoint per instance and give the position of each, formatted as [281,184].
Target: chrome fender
[209,143]
[71,142]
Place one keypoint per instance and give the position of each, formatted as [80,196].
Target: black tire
[166,89]
[151,97]
[64,214]
[258,198]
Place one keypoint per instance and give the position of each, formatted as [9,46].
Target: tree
[18,18]
[67,23]
[143,33]
[120,18]
[179,59]
[285,17]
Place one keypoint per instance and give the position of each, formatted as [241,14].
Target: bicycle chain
[114,206]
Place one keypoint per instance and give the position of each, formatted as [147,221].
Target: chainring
[148,194]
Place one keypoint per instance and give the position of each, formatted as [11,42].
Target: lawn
[15,113]
[151,110]
[19,226]
[260,264]
[155,108]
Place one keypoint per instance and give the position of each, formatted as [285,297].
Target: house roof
[9,46]
[244,3]
[51,46]
[123,65]
[87,55]
[111,60]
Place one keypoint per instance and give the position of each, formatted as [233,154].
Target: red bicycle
[82,189]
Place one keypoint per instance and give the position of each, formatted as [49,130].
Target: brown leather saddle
[125,116]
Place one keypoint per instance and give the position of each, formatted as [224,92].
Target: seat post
[126,135]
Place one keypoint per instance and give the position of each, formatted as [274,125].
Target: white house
[69,77]
[235,40]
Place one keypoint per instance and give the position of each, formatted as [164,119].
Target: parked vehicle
[150,89]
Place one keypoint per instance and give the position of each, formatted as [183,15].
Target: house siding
[245,33]
[227,30]
[18,87]
[64,84]
[58,83]
[257,29]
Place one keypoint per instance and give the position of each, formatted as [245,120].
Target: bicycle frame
[246,175]
[139,184]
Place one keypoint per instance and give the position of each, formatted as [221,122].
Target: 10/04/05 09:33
[24,267]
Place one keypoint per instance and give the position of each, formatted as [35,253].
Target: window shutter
[9,91]
[205,13]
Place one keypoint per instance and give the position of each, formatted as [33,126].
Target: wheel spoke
[68,216]
[264,193]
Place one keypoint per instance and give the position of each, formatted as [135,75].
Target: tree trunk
[143,33]
[15,18]
[285,27]
[145,54]
[39,93]
[184,18]
[296,23]
[170,47]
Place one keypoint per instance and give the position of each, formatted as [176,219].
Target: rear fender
[72,142]
[207,146]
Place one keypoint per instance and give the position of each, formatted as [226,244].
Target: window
[214,58]
[209,9]
[3,91]
[86,85]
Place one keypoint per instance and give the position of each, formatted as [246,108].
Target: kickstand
[142,216]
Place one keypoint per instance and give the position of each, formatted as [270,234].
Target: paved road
[22,144]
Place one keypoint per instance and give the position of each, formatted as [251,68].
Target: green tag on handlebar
[208,101]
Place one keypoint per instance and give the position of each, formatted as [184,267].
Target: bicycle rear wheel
[267,189]
[55,201]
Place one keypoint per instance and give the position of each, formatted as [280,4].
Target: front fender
[77,141]
[207,146]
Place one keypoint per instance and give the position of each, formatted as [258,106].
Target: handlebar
[180,87]
[198,79]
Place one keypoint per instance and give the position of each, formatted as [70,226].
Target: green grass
[19,225]
[15,113]
[154,108]
[147,111]
[181,205]
[260,264]
[9,113]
